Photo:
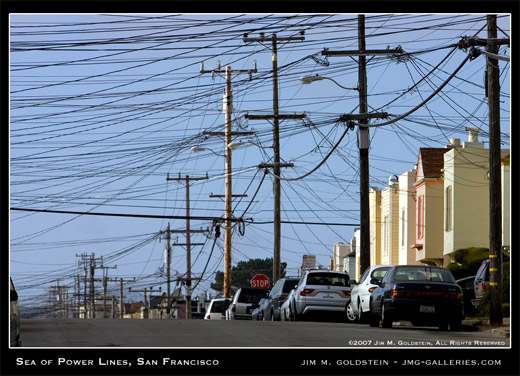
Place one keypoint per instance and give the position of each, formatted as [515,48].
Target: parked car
[424,295]
[277,297]
[468,295]
[14,317]
[358,305]
[320,291]
[259,312]
[482,278]
[246,299]
[285,309]
[217,309]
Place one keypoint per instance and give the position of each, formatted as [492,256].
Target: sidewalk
[483,325]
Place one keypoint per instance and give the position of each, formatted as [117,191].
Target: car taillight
[425,294]
[233,308]
[484,287]
[455,295]
[306,291]
[346,292]
[208,317]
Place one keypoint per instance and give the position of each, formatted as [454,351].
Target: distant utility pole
[146,303]
[121,296]
[274,39]
[228,109]
[188,233]
[363,136]
[105,285]
[495,191]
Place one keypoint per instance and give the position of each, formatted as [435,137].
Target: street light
[199,149]
[310,79]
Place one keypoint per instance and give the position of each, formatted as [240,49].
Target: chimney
[454,143]
[473,137]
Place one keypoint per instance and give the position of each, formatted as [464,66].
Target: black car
[424,295]
[277,296]
[468,295]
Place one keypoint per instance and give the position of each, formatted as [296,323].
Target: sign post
[260,281]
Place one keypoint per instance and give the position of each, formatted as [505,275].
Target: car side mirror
[352,282]
[14,296]
[375,281]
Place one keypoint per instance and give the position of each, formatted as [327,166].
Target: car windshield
[219,306]
[424,274]
[328,279]
[251,295]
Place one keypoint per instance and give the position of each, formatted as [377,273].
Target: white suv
[217,309]
[244,302]
[320,291]
[358,306]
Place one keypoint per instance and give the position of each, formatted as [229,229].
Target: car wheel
[272,316]
[386,319]
[294,316]
[373,319]
[349,311]
[443,325]
[455,325]
[362,316]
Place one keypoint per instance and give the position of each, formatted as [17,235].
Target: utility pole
[363,139]
[188,232]
[228,109]
[121,296]
[105,285]
[495,191]
[276,147]
[146,303]
[363,136]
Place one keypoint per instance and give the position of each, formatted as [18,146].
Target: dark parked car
[278,294]
[15,317]
[482,278]
[424,295]
[468,295]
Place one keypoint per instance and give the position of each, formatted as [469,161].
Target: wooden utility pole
[188,232]
[146,303]
[363,136]
[228,110]
[276,148]
[121,296]
[495,191]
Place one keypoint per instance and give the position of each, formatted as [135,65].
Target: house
[340,251]
[506,202]
[466,194]
[429,190]
[390,223]
[374,198]
[407,211]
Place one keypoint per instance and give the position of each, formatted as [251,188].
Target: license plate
[427,309]
[328,296]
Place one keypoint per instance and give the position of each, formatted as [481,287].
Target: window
[449,208]
[420,217]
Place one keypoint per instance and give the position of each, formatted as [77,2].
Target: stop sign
[260,281]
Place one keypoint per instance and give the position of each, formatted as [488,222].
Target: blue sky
[104,106]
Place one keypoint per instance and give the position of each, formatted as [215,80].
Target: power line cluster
[103,107]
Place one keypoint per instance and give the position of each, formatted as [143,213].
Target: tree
[467,261]
[242,273]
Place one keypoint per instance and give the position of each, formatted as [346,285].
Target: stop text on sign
[260,281]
